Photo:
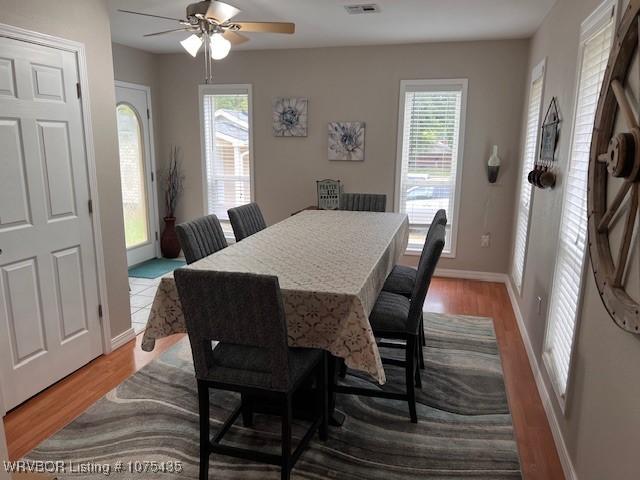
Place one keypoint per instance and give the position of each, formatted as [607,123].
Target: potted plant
[173,183]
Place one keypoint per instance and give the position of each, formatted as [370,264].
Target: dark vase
[169,244]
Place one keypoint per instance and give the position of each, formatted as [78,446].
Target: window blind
[572,241]
[226,151]
[430,157]
[525,199]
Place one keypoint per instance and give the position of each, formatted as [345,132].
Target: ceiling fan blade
[266,27]
[150,15]
[221,12]
[235,38]
[167,31]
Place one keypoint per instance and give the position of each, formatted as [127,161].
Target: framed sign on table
[329,194]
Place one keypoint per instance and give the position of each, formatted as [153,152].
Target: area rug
[465,428]
[155,268]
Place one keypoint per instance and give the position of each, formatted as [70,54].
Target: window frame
[434,85]
[538,72]
[225,89]
[590,28]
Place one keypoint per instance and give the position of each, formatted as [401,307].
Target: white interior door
[49,322]
[137,172]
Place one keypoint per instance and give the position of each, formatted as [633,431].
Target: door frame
[78,49]
[152,156]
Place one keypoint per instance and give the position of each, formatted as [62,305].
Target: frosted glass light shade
[192,44]
[220,46]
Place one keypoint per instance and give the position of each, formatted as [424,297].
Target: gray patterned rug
[465,428]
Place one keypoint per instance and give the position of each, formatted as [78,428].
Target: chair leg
[323,387]
[418,371]
[343,369]
[410,377]
[423,343]
[247,412]
[203,402]
[287,419]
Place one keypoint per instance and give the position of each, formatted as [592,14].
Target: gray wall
[359,83]
[88,22]
[601,427]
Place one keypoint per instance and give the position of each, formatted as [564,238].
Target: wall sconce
[493,165]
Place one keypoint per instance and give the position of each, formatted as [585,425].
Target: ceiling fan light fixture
[220,46]
[192,44]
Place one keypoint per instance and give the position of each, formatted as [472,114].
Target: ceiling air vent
[363,8]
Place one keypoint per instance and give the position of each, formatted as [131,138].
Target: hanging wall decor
[613,188]
[290,117]
[543,174]
[346,141]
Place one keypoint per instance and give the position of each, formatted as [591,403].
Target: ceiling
[325,23]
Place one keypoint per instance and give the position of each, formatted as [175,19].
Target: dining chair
[246,220]
[363,202]
[396,317]
[403,277]
[201,237]
[244,314]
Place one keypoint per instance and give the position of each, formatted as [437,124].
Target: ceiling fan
[210,25]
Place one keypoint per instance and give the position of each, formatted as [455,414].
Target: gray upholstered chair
[397,317]
[246,220]
[363,202]
[201,237]
[244,313]
[402,278]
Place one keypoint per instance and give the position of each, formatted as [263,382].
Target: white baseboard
[561,447]
[123,338]
[472,275]
[565,459]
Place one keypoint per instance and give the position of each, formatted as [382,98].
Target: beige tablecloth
[331,266]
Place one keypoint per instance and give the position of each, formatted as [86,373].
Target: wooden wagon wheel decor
[614,180]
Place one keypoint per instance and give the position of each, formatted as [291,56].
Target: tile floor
[141,297]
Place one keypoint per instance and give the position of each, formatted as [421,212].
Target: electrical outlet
[485,240]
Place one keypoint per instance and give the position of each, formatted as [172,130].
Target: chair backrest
[201,237]
[363,202]
[242,309]
[246,220]
[440,218]
[426,267]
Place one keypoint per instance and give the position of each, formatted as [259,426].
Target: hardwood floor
[30,423]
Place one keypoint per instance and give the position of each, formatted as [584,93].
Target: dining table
[331,266]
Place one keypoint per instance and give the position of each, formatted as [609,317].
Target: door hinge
[156,236]
[148,114]
[90,206]
[153,177]
[99,311]
[79,90]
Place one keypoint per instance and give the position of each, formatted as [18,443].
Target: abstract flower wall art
[346,141]
[290,117]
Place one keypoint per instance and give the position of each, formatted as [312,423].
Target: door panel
[47,83]
[7,77]
[136,171]
[14,204]
[70,292]
[21,297]
[56,161]
[49,324]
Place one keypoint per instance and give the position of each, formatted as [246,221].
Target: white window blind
[226,124]
[525,199]
[572,241]
[431,129]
